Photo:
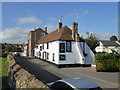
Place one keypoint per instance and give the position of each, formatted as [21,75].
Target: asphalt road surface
[47,72]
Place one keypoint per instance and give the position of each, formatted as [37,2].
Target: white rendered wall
[100,48]
[74,57]
[107,49]
[90,55]
[53,48]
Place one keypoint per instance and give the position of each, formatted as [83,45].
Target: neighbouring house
[25,50]
[14,45]
[34,36]
[64,47]
[108,46]
[118,47]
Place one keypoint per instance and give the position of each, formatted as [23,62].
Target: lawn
[4,71]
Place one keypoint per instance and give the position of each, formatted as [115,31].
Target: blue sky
[100,18]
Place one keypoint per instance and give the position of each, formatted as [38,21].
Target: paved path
[47,72]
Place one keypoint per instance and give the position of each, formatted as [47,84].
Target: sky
[18,18]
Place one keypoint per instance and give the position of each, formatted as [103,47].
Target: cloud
[28,20]
[19,35]
[52,19]
[85,12]
[14,35]
[103,35]
[99,35]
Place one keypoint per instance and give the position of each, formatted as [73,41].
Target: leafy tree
[12,48]
[92,41]
[113,38]
[119,40]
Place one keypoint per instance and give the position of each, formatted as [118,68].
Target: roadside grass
[4,72]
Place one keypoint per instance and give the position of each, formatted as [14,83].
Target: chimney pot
[59,20]
[59,24]
[45,28]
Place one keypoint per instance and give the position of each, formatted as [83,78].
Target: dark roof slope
[109,43]
[38,29]
[64,33]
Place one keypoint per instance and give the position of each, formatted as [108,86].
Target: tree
[113,38]
[119,40]
[92,41]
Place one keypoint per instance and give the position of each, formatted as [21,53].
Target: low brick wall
[20,78]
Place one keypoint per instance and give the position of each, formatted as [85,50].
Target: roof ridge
[46,35]
[63,34]
[62,31]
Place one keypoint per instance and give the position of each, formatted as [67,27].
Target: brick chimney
[59,24]
[75,34]
[45,28]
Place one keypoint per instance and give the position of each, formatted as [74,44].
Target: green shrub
[107,61]
[3,54]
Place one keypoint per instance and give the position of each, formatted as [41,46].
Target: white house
[108,46]
[64,47]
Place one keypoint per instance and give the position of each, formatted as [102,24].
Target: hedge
[107,62]
[3,54]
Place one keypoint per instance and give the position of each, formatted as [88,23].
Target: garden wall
[20,78]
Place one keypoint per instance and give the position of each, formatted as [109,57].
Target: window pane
[53,56]
[42,34]
[68,46]
[47,45]
[47,55]
[62,47]
[62,57]
[40,48]
[68,43]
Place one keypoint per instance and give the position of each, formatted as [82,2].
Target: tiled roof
[64,33]
[38,29]
[109,43]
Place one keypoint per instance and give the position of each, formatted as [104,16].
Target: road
[48,73]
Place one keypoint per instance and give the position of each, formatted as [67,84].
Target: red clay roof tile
[64,33]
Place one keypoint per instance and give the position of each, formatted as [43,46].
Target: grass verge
[4,74]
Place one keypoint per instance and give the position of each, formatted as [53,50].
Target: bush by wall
[107,62]
[3,54]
